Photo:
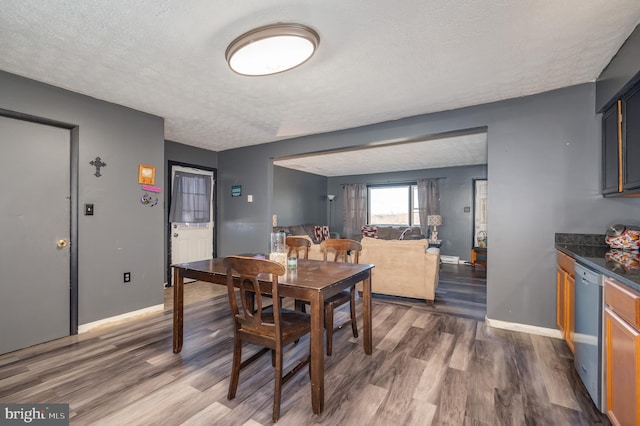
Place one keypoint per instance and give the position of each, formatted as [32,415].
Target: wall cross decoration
[98,163]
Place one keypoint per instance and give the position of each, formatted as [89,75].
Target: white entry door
[192,241]
[34,248]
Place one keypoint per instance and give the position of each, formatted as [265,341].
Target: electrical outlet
[127,277]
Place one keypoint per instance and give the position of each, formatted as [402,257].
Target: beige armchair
[402,267]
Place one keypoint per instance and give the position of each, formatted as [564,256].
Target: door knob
[175,234]
[62,243]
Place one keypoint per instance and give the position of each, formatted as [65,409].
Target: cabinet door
[560,303]
[570,306]
[622,348]
[611,150]
[631,139]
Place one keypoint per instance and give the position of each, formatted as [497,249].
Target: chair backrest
[343,248]
[296,244]
[250,316]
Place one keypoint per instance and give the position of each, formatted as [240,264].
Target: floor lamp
[331,197]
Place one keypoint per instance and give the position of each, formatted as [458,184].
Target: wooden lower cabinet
[565,297]
[560,305]
[570,307]
[622,353]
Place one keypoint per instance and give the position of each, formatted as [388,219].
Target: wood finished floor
[427,368]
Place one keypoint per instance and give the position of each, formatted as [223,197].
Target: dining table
[313,281]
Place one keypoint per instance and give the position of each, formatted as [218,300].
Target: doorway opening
[191,220]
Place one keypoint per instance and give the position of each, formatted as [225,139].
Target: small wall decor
[98,164]
[236,190]
[146,174]
[149,199]
[150,196]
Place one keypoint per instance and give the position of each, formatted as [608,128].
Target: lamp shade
[434,220]
[272,49]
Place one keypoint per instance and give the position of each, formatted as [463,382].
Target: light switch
[249,198]
[88,209]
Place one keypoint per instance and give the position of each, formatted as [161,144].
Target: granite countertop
[591,251]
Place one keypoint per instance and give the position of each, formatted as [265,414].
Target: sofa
[306,231]
[301,230]
[393,232]
[407,268]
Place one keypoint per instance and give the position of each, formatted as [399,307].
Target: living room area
[305,194]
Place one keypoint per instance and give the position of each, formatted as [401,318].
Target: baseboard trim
[128,315]
[524,328]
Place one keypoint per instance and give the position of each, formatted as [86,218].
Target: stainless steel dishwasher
[588,337]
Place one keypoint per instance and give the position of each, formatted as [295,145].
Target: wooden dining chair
[298,244]
[270,327]
[342,248]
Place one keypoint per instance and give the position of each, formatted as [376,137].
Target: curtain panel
[355,209]
[191,198]
[428,201]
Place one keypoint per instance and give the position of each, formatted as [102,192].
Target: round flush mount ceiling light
[272,49]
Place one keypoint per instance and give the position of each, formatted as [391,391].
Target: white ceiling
[441,151]
[377,61]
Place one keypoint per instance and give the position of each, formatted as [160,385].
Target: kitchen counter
[591,251]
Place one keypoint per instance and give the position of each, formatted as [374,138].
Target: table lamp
[434,220]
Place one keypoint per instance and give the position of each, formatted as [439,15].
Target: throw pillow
[321,233]
[369,231]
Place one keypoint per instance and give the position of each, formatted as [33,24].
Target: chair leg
[354,325]
[299,306]
[328,326]
[277,391]
[235,369]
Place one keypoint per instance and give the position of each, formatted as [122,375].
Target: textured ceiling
[450,151]
[377,61]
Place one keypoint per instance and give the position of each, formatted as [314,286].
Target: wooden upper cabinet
[621,146]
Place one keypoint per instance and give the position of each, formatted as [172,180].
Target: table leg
[178,309]
[317,354]
[366,315]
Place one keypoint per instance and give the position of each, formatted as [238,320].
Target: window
[191,198]
[393,205]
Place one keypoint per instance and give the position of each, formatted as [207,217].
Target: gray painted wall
[544,177]
[299,198]
[123,235]
[543,170]
[174,151]
[456,192]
